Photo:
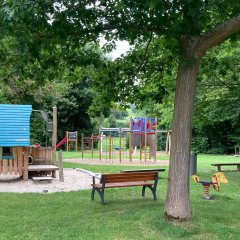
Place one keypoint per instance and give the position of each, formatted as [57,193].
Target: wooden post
[130,140]
[145,139]
[110,146]
[155,155]
[82,145]
[20,160]
[5,166]
[67,146]
[100,145]
[92,144]
[54,138]
[25,164]
[120,145]
[140,146]
[76,143]
[60,160]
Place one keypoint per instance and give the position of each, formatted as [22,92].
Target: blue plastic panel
[15,125]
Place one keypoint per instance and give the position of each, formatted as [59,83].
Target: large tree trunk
[177,201]
[194,47]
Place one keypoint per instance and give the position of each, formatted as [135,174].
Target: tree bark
[177,201]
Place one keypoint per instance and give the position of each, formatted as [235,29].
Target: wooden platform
[38,168]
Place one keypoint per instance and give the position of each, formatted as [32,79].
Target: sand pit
[74,180]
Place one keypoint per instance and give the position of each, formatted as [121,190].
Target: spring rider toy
[217,178]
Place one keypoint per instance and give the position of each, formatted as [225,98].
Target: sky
[121,48]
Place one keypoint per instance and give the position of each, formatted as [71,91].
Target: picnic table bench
[219,166]
[116,180]
[144,170]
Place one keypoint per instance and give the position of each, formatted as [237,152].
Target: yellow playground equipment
[217,178]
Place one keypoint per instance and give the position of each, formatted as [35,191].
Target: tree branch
[145,54]
[219,34]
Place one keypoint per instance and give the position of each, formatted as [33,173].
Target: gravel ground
[74,180]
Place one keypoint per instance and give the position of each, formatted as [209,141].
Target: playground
[138,143]
[69,190]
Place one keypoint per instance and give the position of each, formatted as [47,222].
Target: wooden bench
[219,166]
[117,180]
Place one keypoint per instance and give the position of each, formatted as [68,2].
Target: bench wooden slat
[130,174]
[129,177]
[126,184]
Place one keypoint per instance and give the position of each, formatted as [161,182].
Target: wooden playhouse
[17,156]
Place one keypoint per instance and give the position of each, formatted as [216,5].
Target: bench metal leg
[153,190]
[92,195]
[143,191]
[101,194]
[219,168]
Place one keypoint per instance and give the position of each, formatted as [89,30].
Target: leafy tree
[217,116]
[119,114]
[194,26]
[72,108]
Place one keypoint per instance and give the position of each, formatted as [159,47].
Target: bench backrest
[128,177]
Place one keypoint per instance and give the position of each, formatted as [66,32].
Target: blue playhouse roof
[15,125]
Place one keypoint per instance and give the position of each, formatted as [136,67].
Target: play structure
[143,135]
[112,143]
[217,178]
[138,141]
[17,156]
[87,143]
[71,140]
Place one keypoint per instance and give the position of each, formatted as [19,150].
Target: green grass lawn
[126,215]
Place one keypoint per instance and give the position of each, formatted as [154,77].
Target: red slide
[61,142]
